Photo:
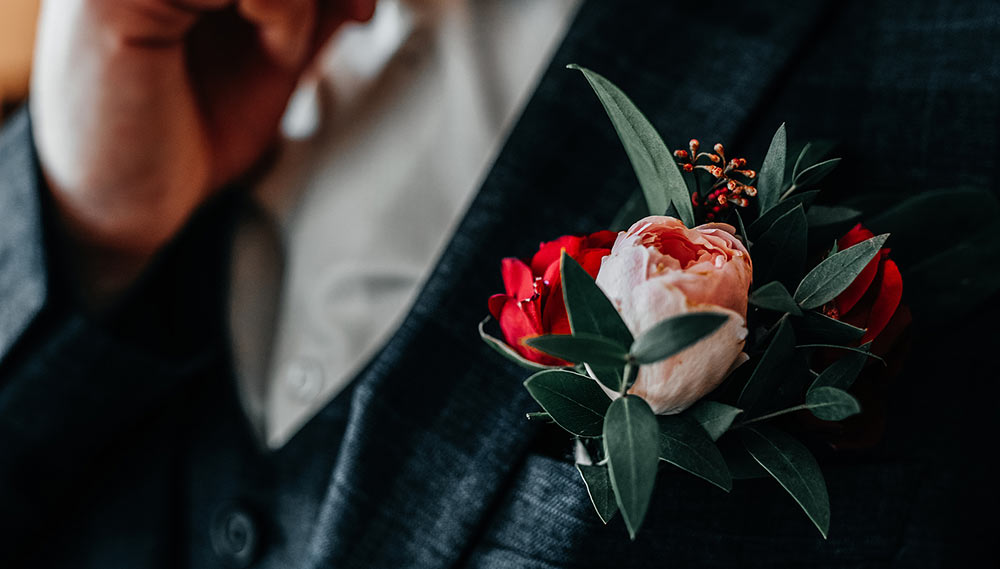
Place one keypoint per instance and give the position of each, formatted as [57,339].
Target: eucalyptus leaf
[506,351]
[631,445]
[836,273]
[771,181]
[767,219]
[793,466]
[770,371]
[579,348]
[714,417]
[831,404]
[741,465]
[589,310]
[861,351]
[820,328]
[741,229]
[842,373]
[774,296]
[609,376]
[574,401]
[812,153]
[824,216]
[661,180]
[815,173]
[780,253]
[598,483]
[674,334]
[686,445]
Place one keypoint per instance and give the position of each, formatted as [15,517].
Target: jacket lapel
[437,421]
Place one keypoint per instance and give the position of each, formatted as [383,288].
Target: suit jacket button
[235,537]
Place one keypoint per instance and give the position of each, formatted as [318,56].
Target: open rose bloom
[659,269]
[532,303]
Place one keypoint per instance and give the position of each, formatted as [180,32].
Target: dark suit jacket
[122,443]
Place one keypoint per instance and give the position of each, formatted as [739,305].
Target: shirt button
[304,380]
[234,538]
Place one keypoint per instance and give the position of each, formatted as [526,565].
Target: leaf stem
[788,192]
[628,376]
[801,407]
[539,415]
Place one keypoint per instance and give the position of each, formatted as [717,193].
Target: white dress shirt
[384,147]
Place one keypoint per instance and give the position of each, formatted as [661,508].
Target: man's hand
[143,108]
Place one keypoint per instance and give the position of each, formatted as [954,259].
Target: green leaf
[574,401]
[589,310]
[741,229]
[771,181]
[770,371]
[741,465]
[836,273]
[831,404]
[506,351]
[598,483]
[793,466]
[824,216]
[846,348]
[580,348]
[713,416]
[816,327]
[631,444]
[811,153]
[767,219]
[842,373]
[674,334]
[661,180]
[774,296]
[632,211]
[687,446]
[815,173]
[780,253]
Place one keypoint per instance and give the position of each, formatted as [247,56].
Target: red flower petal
[516,324]
[856,235]
[517,279]
[496,303]
[550,252]
[600,240]
[846,300]
[890,293]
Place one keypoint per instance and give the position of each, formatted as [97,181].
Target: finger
[285,28]
[151,21]
[331,14]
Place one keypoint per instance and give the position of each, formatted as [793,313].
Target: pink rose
[658,269]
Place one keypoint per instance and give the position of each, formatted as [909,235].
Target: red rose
[871,302]
[533,302]
[874,296]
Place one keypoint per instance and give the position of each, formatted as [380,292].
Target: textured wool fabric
[426,460]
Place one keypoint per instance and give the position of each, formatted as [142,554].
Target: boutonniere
[730,313]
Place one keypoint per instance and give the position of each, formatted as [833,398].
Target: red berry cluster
[730,183]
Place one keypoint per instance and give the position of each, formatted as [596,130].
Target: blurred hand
[143,108]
